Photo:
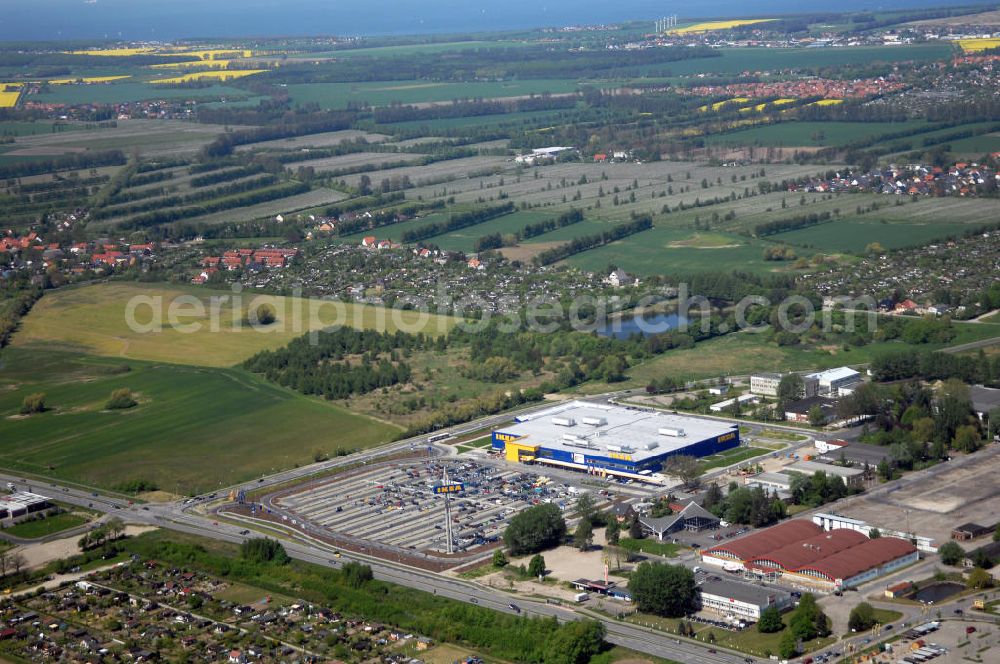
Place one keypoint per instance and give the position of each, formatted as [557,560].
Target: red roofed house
[368,241]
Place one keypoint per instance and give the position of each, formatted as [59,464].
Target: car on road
[514,607]
[474,600]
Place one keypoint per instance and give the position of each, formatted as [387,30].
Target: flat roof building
[604,439]
[766,384]
[22,503]
[852,476]
[741,600]
[832,381]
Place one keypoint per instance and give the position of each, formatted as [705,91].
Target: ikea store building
[611,440]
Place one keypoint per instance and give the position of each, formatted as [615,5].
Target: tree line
[587,242]
[457,221]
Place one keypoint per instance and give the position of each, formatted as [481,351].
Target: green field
[854,236]
[92,319]
[116,93]
[415,49]
[383,93]
[47,526]
[32,128]
[469,122]
[976,146]
[465,239]
[195,428]
[667,250]
[736,60]
[797,134]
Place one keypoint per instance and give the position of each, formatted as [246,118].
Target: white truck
[581,597]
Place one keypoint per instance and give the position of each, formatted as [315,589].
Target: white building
[741,600]
[832,381]
[766,384]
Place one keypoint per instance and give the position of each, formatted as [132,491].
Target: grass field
[383,93]
[668,250]
[117,93]
[735,60]
[465,239]
[21,128]
[469,122]
[194,428]
[47,526]
[414,49]
[976,146]
[798,134]
[92,319]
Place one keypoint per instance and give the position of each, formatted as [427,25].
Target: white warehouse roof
[579,426]
[833,375]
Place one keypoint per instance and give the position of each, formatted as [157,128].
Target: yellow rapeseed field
[977,45]
[88,79]
[214,54]
[710,26]
[827,102]
[114,52]
[194,64]
[9,92]
[222,75]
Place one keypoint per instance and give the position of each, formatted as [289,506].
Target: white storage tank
[675,432]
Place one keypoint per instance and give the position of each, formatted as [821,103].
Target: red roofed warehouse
[802,553]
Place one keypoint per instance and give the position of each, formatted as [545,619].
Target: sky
[173,19]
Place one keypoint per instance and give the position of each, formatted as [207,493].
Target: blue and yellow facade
[528,448]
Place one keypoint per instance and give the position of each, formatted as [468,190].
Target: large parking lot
[395,504]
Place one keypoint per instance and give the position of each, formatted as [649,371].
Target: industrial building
[17,506]
[801,553]
[741,600]
[836,382]
[766,384]
[852,477]
[859,454]
[611,440]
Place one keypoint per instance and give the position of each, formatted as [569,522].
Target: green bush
[33,403]
[121,399]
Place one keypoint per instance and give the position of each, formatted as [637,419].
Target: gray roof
[984,399]
[662,524]
[811,467]
[742,592]
[859,453]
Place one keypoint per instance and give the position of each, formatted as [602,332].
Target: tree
[535,529]
[966,439]
[788,646]
[664,590]
[685,468]
[978,579]
[817,417]
[770,621]
[583,536]
[635,530]
[874,533]
[121,399]
[264,550]
[862,617]
[954,406]
[500,559]
[575,642]
[807,621]
[791,387]
[536,566]
[115,527]
[613,531]
[356,575]
[33,403]
[585,508]
[996,534]
[951,553]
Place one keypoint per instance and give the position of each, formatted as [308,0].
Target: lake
[623,328]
